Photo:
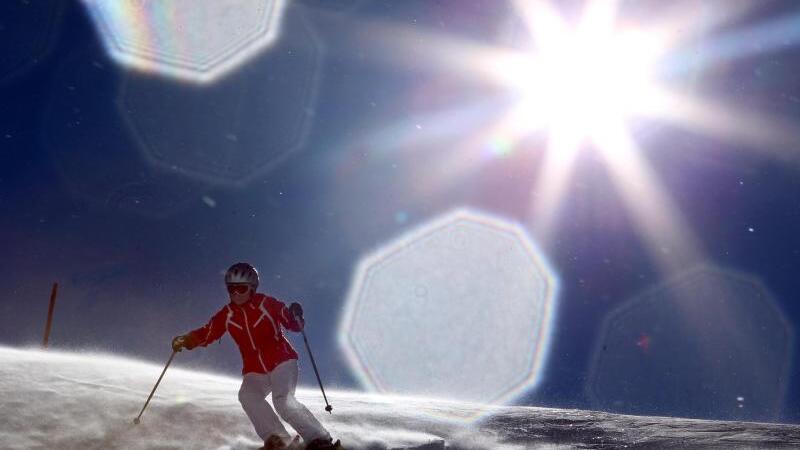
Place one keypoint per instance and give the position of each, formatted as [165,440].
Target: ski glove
[297,314]
[296,310]
[182,342]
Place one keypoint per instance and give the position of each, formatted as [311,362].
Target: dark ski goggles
[238,288]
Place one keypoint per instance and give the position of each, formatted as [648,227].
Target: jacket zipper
[252,343]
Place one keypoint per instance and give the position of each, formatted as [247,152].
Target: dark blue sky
[138,248]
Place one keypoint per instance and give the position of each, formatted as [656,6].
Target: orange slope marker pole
[50,315]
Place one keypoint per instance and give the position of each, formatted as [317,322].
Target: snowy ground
[88,401]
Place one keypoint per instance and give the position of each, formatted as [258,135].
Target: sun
[583,84]
[583,80]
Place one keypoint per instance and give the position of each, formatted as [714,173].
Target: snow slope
[88,401]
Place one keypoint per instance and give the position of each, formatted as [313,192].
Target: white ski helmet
[242,273]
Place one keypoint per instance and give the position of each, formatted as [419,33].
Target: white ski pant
[282,382]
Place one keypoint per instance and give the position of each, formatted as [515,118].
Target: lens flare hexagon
[237,129]
[105,169]
[458,308]
[711,343]
[195,40]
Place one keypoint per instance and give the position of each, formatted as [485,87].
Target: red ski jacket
[256,328]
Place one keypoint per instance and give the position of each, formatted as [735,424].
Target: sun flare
[580,81]
[586,82]
[582,85]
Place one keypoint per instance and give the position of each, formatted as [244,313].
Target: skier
[255,323]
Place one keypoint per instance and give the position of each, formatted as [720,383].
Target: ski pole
[136,420]
[328,406]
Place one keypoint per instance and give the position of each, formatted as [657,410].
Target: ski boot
[276,442]
[324,444]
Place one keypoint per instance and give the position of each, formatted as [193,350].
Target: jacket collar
[250,301]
